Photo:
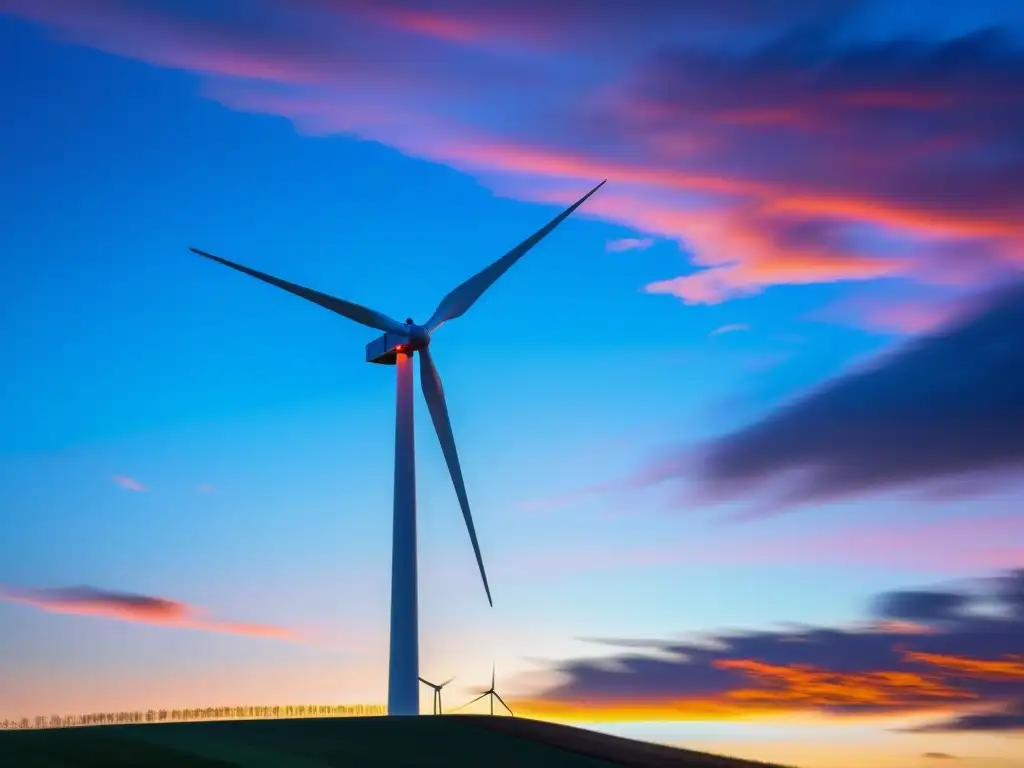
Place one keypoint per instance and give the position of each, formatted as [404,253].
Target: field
[451,741]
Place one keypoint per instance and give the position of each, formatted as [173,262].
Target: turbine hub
[419,337]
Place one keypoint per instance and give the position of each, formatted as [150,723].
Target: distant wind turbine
[396,347]
[493,694]
[437,692]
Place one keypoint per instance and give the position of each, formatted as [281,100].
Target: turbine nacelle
[385,349]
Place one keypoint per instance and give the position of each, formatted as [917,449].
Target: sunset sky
[743,437]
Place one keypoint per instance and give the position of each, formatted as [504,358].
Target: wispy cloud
[205,488]
[637,481]
[563,500]
[777,149]
[730,328]
[128,483]
[629,244]
[143,609]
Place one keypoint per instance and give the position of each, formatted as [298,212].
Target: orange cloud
[121,606]
[901,627]
[611,711]
[1002,669]
[128,483]
[806,686]
[781,691]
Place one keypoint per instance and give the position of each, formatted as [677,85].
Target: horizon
[742,437]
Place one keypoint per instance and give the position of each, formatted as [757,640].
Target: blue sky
[259,443]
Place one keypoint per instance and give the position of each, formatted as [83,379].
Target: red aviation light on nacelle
[384,350]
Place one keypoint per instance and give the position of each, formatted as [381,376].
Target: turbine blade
[425,682]
[506,706]
[442,685]
[474,701]
[492,675]
[465,295]
[433,393]
[356,312]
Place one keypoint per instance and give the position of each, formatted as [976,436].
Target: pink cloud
[128,483]
[906,316]
[957,546]
[121,606]
[781,165]
[446,27]
[449,28]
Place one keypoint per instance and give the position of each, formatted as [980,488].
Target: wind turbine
[396,347]
[493,694]
[437,692]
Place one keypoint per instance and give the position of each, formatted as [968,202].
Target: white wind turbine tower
[396,347]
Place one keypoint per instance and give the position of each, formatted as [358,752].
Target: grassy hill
[452,741]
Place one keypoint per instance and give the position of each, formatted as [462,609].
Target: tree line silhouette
[192,715]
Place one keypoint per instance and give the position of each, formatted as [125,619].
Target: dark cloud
[938,756]
[921,605]
[945,405]
[964,660]
[1011,718]
[1011,592]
